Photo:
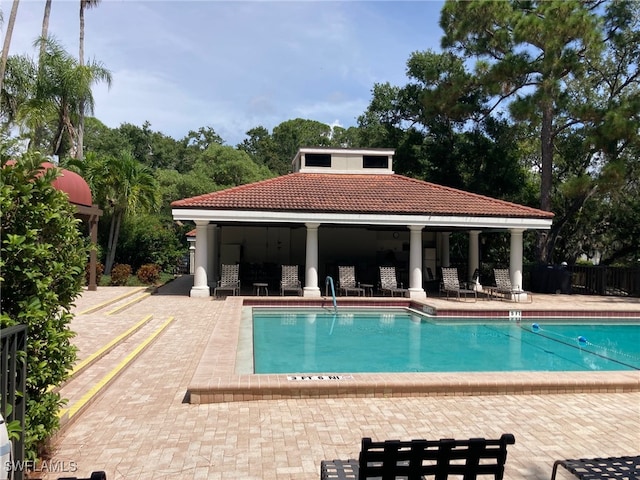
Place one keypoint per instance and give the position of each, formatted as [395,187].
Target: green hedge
[42,260]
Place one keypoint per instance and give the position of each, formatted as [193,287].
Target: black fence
[601,280]
[13,347]
[573,279]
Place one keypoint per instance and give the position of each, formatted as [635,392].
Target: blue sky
[235,65]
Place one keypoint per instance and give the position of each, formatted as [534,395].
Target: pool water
[319,341]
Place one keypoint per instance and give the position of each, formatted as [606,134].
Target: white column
[211,257]
[444,239]
[216,253]
[474,253]
[415,262]
[200,287]
[192,258]
[515,262]
[311,288]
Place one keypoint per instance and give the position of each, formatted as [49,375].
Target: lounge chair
[290,281]
[422,459]
[347,281]
[229,280]
[451,284]
[595,468]
[389,283]
[504,287]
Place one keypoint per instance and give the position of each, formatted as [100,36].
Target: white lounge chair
[389,282]
[506,289]
[289,281]
[347,281]
[451,284]
[229,280]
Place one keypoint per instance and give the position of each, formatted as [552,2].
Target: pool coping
[215,379]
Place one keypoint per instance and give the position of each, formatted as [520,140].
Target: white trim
[350,151]
[440,221]
[360,171]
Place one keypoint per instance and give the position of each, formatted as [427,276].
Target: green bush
[99,273]
[148,273]
[149,239]
[42,260]
[120,274]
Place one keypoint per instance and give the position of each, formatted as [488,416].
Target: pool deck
[141,425]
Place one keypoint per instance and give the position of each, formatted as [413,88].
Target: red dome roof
[73,185]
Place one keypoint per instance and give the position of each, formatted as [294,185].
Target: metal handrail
[327,282]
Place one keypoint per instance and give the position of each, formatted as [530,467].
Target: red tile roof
[357,193]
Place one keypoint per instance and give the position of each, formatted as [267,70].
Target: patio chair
[451,284]
[229,280]
[389,283]
[596,468]
[423,459]
[94,476]
[290,281]
[504,287]
[347,281]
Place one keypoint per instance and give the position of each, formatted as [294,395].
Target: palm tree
[84,4]
[121,186]
[7,40]
[17,87]
[60,86]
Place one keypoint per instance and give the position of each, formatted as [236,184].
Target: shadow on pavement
[179,286]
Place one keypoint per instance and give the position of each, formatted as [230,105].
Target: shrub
[42,259]
[120,274]
[148,273]
[99,272]
[149,239]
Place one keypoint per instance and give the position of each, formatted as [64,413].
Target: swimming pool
[398,340]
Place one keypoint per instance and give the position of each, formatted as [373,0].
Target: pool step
[105,349]
[113,301]
[128,303]
[89,381]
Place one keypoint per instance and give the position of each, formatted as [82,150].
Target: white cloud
[235,65]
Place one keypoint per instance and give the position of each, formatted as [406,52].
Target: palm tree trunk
[84,4]
[112,227]
[114,233]
[7,40]
[80,147]
[80,132]
[45,29]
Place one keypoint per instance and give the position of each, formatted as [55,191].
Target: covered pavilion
[346,207]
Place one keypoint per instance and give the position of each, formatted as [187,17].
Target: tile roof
[386,194]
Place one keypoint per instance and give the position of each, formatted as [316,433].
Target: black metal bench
[622,468]
[417,459]
[94,476]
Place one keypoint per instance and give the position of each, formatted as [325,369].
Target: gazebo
[79,195]
[347,205]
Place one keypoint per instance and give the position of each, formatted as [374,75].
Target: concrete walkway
[140,427]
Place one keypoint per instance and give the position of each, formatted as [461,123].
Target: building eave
[383,220]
